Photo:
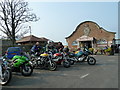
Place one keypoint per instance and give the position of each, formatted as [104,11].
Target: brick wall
[95,31]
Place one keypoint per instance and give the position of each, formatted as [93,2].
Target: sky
[59,19]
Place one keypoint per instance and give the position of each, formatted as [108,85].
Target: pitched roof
[85,22]
[31,38]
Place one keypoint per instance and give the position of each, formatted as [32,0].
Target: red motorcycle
[60,59]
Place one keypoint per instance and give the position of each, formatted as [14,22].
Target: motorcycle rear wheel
[71,62]
[66,64]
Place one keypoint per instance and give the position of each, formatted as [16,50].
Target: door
[86,43]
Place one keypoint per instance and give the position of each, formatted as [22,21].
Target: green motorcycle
[21,64]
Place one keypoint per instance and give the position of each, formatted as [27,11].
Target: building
[31,40]
[91,34]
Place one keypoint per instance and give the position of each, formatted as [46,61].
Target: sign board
[85,38]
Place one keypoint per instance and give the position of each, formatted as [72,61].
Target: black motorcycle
[34,57]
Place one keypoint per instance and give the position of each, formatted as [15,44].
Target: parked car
[12,51]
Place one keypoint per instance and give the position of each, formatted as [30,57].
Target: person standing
[112,50]
[66,49]
[50,46]
[59,47]
[36,48]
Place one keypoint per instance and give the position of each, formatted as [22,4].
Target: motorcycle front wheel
[91,61]
[6,77]
[26,70]
[52,66]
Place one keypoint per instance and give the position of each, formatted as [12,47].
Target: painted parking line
[84,76]
[76,75]
[70,75]
[64,74]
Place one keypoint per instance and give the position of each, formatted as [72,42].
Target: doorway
[87,43]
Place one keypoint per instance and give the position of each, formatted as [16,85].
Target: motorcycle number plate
[13,53]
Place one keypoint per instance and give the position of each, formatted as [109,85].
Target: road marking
[84,76]
[64,74]
[71,75]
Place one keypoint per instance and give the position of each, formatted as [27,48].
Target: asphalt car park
[80,75]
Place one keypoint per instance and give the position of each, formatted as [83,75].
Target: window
[102,41]
[74,43]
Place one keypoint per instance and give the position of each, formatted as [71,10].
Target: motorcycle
[5,72]
[83,56]
[34,57]
[44,61]
[60,59]
[21,64]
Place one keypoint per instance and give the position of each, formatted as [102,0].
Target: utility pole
[30,30]
[30,34]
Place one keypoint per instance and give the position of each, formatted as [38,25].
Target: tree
[14,14]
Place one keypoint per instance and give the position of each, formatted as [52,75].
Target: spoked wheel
[6,77]
[52,66]
[26,70]
[91,61]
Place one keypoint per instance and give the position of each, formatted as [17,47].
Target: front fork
[26,64]
[30,63]
[50,62]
